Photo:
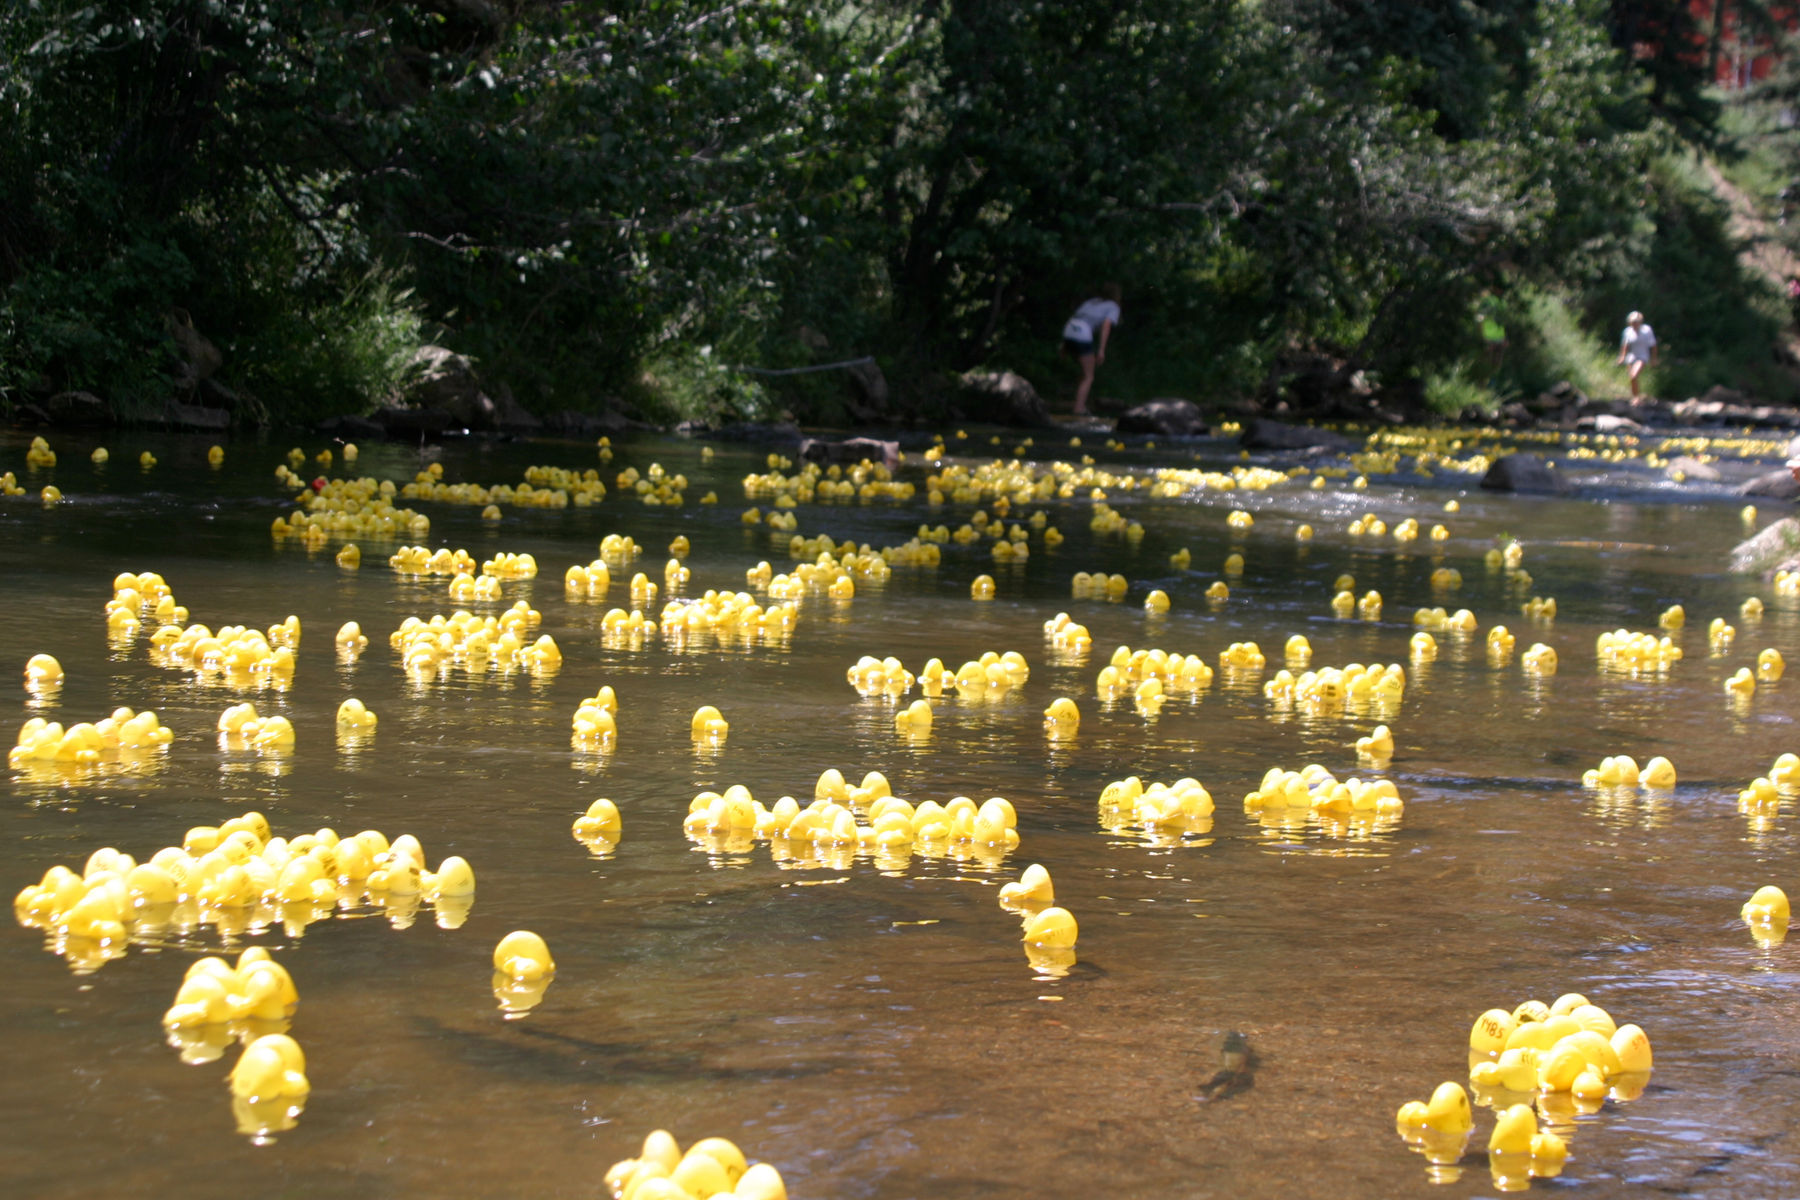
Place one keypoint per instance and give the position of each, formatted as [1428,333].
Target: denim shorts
[1078,349]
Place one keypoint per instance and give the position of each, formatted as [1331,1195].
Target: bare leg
[1637,368]
[1087,382]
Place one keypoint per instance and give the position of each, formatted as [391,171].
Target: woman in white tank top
[1085,335]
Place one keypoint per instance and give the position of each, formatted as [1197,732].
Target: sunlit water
[878,1031]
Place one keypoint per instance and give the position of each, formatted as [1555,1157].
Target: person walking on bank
[1637,348]
[1085,336]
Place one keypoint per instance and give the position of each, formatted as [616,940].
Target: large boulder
[758,433]
[1168,418]
[868,398]
[411,423]
[1523,473]
[570,423]
[512,416]
[77,410]
[350,428]
[1001,398]
[196,358]
[1773,485]
[177,415]
[1263,434]
[1770,548]
[444,382]
[850,451]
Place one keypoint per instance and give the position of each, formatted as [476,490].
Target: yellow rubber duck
[42,673]
[915,718]
[1447,1112]
[1062,719]
[1769,906]
[354,717]
[271,1068]
[1033,889]
[708,725]
[1378,745]
[522,955]
[1770,666]
[601,822]
[1053,929]
[1658,774]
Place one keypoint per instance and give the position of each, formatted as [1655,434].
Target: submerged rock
[1167,417]
[850,451]
[1523,473]
[1263,434]
[78,410]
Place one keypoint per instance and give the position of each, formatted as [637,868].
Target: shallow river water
[876,1030]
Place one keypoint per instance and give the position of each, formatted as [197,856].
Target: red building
[1744,44]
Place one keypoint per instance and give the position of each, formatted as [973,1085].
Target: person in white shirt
[1085,335]
[1637,348]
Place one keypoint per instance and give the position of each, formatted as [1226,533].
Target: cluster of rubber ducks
[1761,800]
[126,742]
[712,1169]
[727,619]
[429,485]
[418,560]
[1176,481]
[657,488]
[1345,604]
[894,828]
[1068,636]
[864,481]
[1460,621]
[777,520]
[1099,586]
[1351,689]
[1242,657]
[238,875]
[1630,653]
[1313,787]
[1552,1062]
[1164,813]
[1149,676]
[1622,771]
[241,728]
[345,508]
[219,1002]
[430,649]
[138,598]
[990,677]
[237,656]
